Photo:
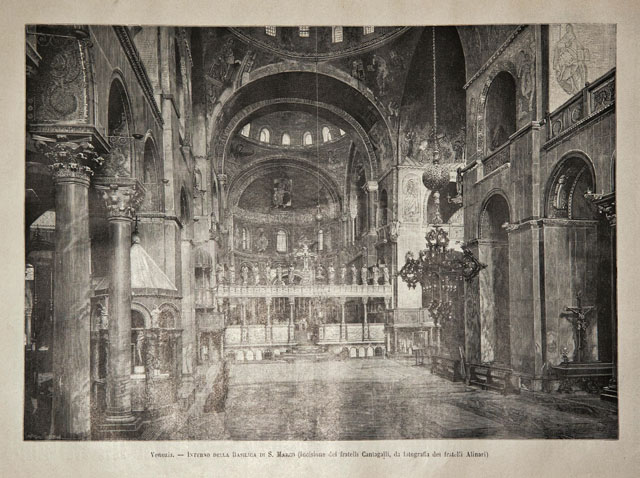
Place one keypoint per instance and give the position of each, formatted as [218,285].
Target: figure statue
[139,347]
[291,274]
[343,274]
[354,275]
[219,274]
[331,274]
[256,274]
[385,274]
[244,273]
[364,274]
[279,274]
[375,274]
[232,273]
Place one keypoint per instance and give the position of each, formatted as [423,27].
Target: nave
[376,399]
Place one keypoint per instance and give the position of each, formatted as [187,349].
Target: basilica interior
[206,207]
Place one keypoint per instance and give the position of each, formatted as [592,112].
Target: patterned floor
[381,399]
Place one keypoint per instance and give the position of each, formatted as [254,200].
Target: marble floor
[377,399]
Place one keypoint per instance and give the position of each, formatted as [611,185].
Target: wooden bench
[491,377]
[446,367]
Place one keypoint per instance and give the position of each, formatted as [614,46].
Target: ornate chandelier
[438,258]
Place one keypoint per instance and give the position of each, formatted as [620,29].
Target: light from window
[271,31]
[264,135]
[245,239]
[368,30]
[303,32]
[341,132]
[326,134]
[336,34]
[281,241]
[286,139]
[245,130]
[307,139]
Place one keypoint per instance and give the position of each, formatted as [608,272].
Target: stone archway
[493,250]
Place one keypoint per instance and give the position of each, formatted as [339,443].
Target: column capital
[69,160]
[222,179]
[122,196]
[372,186]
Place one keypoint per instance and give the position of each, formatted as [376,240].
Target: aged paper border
[506,457]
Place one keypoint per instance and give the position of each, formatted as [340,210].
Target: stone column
[71,165]
[269,328]
[343,325]
[292,307]
[365,323]
[121,195]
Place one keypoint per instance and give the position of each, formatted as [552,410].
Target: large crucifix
[305,254]
[580,325]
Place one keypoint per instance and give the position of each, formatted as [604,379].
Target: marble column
[292,308]
[269,328]
[365,323]
[343,325]
[121,195]
[71,165]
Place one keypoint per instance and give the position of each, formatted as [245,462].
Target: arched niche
[119,132]
[185,208]
[151,177]
[493,250]
[500,110]
[571,178]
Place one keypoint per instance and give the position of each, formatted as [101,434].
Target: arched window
[180,89]
[336,34]
[500,110]
[307,139]
[245,239]
[265,135]
[286,139]
[341,132]
[326,134]
[281,241]
[246,129]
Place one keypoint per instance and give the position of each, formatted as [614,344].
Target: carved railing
[593,98]
[496,159]
[318,290]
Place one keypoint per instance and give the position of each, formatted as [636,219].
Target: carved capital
[222,179]
[372,186]
[68,159]
[122,197]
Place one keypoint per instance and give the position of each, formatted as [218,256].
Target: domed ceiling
[319,43]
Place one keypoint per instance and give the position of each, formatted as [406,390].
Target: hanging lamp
[435,176]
